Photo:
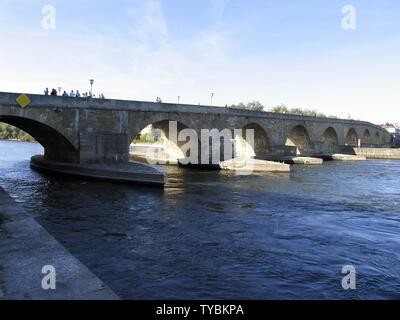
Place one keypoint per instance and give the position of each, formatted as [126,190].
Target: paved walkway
[25,247]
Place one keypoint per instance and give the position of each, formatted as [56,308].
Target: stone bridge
[83,131]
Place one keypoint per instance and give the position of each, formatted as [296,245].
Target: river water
[214,235]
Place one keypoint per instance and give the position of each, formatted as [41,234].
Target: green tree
[8,132]
[299,111]
[253,106]
[282,108]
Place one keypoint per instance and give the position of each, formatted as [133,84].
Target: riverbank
[26,247]
[378,153]
[19,140]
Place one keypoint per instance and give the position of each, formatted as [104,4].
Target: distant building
[394,130]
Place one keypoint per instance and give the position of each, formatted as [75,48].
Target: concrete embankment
[347,157]
[130,173]
[26,247]
[378,153]
[295,160]
[253,165]
[152,153]
[303,160]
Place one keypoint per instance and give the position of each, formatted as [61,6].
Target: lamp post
[179,99]
[59,91]
[91,87]
[212,96]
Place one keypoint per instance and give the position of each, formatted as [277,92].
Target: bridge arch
[330,140]
[168,148]
[299,137]
[352,138]
[378,138]
[57,147]
[261,143]
[330,137]
[366,139]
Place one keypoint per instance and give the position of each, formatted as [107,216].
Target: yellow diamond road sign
[23,101]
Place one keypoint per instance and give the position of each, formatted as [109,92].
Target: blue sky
[294,52]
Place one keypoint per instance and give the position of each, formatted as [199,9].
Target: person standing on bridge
[78,95]
[65,94]
[46,92]
[72,94]
[54,92]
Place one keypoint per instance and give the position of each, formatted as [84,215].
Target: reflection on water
[213,235]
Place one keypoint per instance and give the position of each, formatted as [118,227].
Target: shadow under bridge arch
[56,146]
[253,142]
[299,137]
